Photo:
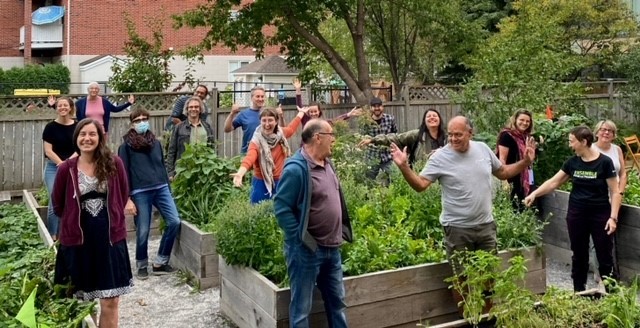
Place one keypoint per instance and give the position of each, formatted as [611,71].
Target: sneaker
[163,269]
[143,273]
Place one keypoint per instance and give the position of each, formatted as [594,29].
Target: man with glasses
[178,112]
[464,168]
[311,210]
[383,123]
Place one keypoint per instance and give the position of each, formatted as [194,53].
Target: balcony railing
[46,36]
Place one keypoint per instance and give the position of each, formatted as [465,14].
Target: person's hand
[304,109]
[130,208]
[356,111]
[279,110]
[611,226]
[399,156]
[530,152]
[237,179]
[297,84]
[235,109]
[528,201]
[132,99]
[51,101]
[364,143]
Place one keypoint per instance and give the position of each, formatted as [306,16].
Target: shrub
[48,76]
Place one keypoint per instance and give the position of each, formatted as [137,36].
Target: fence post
[407,103]
[610,92]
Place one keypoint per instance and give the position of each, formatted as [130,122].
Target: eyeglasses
[193,107]
[140,120]
[327,133]
[608,130]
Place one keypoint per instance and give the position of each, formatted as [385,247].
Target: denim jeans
[162,200]
[53,222]
[259,190]
[306,270]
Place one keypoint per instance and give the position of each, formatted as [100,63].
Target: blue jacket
[81,110]
[144,169]
[293,201]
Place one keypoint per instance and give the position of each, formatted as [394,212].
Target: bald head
[312,127]
[459,132]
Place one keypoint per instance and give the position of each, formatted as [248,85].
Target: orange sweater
[251,160]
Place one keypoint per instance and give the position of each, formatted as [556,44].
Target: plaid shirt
[387,125]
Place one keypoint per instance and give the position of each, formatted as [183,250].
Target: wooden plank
[19,146]
[8,160]
[252,283]
[241,308]
[5,197]
[557,253]
[195,238]
[628,274]
[38,154]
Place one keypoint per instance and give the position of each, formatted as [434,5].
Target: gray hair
[193,98]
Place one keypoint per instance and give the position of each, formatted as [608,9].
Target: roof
[94,59]
[267,65]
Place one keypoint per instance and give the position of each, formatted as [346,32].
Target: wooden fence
[22,155]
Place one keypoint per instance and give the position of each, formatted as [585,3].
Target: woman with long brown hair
[89,195]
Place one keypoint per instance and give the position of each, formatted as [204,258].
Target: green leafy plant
[515,230]
[42,196]
[249,235]
[202,183]
[621,307]
[26,264]
[632,191]
[48,76]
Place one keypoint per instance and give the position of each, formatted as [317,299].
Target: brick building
[91,34]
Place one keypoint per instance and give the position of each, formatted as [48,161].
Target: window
[234,65]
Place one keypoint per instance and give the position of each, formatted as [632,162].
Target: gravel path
[165,301]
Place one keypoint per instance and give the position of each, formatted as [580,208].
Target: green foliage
[554,151]
[202,183]
[25,263]
[621,307]
[226,98]
[628,66]
[249,235]
[515,230]
[147,66]
[48,76]
[632,191]
[42,196]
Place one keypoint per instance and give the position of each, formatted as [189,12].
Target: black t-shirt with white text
[589,180]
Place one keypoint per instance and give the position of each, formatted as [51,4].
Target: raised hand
[399,156]
[530,152]
[304,109]
[364,142]
[235,109]
[356,111]
[297,84]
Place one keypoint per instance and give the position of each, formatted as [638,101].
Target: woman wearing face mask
[315,111]
[57,140]
[420,143]
[192,130]
[266,154]
[512,142]
[142,156]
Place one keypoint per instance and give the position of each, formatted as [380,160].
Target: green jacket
[406,139]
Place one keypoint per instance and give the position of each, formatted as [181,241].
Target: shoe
[163,269]
[143,273]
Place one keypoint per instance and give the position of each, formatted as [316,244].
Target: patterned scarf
[521,140]
[141,142]
[265,144]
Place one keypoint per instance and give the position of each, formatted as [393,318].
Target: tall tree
[296,32]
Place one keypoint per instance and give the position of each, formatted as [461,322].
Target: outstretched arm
[418,183]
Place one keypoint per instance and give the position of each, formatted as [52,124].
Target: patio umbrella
[47,15]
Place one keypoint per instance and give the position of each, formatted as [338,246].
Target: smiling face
[193,109]
[93,90]
[377,110]
[88,138]
[606,133]
[201,92]
[268,124]
[523,122]
[459,134]
[257,98]
[314,111]
[63,107]
[326,139]
[432,119]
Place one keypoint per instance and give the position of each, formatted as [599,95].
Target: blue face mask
[141,127]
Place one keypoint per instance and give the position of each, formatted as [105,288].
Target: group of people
[92,190]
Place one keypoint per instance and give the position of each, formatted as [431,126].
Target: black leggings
[582,223]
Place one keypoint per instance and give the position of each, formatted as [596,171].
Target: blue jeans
[306,270]
[53,222]
[162,200]
[259,190]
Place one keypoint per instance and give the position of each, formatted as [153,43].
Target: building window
[234,65]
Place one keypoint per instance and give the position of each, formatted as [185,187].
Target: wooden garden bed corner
[195,252]
[392,298]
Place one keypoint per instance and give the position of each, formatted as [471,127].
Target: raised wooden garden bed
[556,238]
[32,204]
[393,298]
[195,251]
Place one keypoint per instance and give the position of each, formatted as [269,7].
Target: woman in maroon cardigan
[89,195]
